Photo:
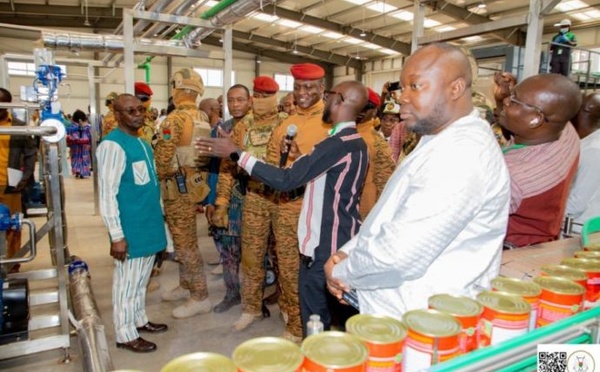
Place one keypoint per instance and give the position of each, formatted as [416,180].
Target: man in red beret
[144,94]
[308,93]
[381,164]
[252,134]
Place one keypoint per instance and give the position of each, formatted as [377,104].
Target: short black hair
[240,86]
[79,115]
[6,93]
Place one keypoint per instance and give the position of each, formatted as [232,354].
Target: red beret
[374,97]
[265,84]
[307,71]
[142,88]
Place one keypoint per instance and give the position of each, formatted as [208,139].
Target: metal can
[560,298]
[433,337]
[200,362]
[268,354]
[592,255]
[334,351]
[592,285]
[563,271]
[505,316]
[466,310]
[384,337]
[529,291]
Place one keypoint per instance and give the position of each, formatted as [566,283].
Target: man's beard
[431,124]
[327,116]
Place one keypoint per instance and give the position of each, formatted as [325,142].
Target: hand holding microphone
[286,145]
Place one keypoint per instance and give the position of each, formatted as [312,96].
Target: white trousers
[130,278]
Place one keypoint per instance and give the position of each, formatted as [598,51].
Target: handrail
[587,71]
[574,329]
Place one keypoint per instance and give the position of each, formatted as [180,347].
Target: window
[213,77]
[28,69]
[285,81]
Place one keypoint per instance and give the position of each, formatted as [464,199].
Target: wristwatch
[235,156]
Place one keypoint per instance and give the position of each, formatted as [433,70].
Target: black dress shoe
[153,328]
[139,345]
[226,304]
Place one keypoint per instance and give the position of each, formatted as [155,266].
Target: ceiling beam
[325,56]
[106,24]
[462,14]
[241,47]
[57,10]
[382,41]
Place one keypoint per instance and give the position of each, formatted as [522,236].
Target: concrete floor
[88,239]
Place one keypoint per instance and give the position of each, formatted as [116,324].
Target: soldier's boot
[191,308]
[227,303]
[245,320]
[175,294]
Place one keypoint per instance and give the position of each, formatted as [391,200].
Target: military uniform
[146,132]
[109,122]
[311,130]
[175,153]
[381,167]
[258,210]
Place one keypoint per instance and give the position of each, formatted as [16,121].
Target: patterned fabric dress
[79,139]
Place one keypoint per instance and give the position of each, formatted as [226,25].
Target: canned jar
[466,310]
[504,317]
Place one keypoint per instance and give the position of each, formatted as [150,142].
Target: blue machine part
[77,266]
[6,221]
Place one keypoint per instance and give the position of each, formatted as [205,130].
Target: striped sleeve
[111,166]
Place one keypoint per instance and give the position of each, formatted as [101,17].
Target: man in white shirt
[438,227]
[584,198]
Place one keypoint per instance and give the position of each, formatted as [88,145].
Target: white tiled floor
[209,332]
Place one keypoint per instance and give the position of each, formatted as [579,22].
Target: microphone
[292,130]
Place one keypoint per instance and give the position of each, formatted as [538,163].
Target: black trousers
[313,293]
[560,64]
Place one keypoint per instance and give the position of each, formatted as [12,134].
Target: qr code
[555,361]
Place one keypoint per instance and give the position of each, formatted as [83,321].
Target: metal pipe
[28,131]
[32,246]
[95,42]
[156,7]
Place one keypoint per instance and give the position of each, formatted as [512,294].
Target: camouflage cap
[187,78]
[112,96]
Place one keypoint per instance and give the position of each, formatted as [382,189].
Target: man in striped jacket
[334,174]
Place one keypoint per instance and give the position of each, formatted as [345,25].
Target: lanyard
[513,147]
[339,126]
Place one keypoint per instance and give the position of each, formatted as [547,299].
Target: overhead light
[481,5]
[363,34]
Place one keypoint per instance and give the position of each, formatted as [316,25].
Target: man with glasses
[334,173]
[542,155]
[176,162]
[144,94]
[131,210]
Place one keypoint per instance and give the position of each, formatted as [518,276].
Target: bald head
[212,108]
[446,57]
[436,88]
[556,95]
[587,120]
[345,101]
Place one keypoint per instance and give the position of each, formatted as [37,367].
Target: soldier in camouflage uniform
[109,122]
[174,154]
[226,213]
[144,93]
[252,135]
[381,164]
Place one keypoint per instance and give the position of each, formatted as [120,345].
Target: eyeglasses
[132,111]
[143,98]
[513,99]
[329,93]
